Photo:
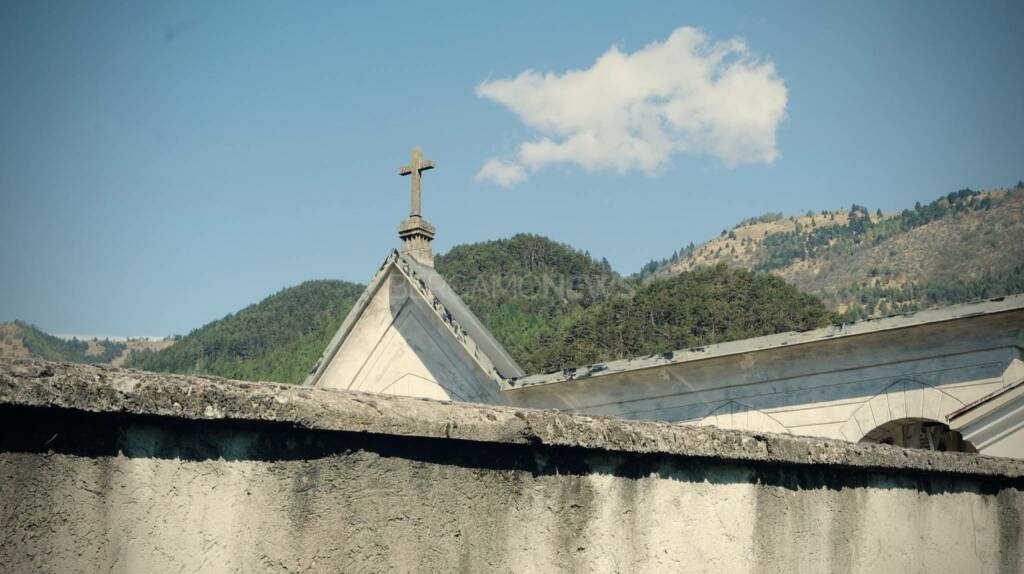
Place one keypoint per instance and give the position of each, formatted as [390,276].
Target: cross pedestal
[416,235]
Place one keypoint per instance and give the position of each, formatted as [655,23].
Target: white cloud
[635,111]
[504,173]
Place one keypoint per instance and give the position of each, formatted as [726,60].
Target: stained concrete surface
[114,470]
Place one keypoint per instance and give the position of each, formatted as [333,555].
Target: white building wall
[840,389]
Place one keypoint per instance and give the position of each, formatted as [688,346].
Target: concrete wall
[113,470]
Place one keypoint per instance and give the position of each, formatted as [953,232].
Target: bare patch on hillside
[961,245]
[10,342]
[140,345]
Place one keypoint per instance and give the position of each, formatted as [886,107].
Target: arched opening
[920,433]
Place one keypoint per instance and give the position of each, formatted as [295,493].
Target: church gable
[414,356]
[401,339]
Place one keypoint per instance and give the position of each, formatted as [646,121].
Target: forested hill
[549,304]
[527,288]
[523,289]
[277,339]
[553,307]
[963,246]
[690,309]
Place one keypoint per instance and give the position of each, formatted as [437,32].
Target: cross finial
[415,233]
[417,167]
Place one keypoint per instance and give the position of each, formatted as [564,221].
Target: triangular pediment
[409,334]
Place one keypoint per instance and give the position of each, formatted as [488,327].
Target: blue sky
[163,164]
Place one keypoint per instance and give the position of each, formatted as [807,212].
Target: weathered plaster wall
[112,470]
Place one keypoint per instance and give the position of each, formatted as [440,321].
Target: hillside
[277,339]
[521,288]
[690,309]
[528,287]
[20,339]
[963,246]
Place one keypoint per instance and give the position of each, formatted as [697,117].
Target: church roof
[461,323]
[1009,303]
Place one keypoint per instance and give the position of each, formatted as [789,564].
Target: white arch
[734,415]
[904,399]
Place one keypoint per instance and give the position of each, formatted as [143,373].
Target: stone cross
[416,168]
